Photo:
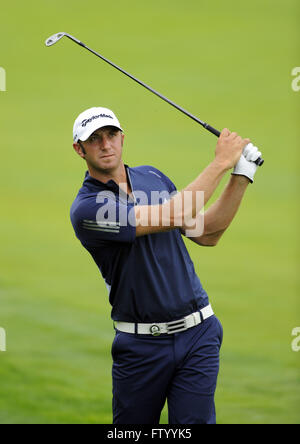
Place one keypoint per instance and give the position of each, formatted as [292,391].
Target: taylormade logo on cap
[91,120]
[84,122]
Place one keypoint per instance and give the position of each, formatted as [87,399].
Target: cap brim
[96,125]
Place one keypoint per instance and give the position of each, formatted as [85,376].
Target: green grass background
[227,62]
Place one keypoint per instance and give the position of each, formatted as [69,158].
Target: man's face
[103,149]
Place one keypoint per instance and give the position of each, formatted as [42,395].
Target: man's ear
[122,136]
[78,150]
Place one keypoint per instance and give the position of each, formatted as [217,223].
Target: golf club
[56,37]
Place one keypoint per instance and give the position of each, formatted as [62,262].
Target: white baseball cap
[91,120]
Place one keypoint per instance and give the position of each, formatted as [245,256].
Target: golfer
[131,220]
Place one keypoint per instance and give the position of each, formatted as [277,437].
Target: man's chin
[107,164]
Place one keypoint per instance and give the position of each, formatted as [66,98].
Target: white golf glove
[246,166]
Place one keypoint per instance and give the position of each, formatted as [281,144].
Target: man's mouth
[106,156]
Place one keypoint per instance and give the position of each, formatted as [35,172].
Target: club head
[55,38]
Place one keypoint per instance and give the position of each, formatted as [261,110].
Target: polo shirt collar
[110,185]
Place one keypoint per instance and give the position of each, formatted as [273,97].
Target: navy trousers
[181,368]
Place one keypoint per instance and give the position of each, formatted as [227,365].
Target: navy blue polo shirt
[150,278]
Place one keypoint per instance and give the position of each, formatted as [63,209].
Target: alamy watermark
[2,79]
[296,342]
[2,340]
[296,80]
[157,208]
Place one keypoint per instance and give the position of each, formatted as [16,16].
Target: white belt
[156,329]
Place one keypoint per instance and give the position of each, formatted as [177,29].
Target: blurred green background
[228,63]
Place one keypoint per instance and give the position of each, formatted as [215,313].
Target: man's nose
[105,142]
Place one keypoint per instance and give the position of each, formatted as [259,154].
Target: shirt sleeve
[171,186]
[102,218]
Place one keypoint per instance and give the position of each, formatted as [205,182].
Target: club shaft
[143,84]
[208,127]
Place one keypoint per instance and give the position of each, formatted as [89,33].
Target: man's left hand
[246,166]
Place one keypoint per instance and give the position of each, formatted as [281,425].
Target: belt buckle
[176,326]
[155,330]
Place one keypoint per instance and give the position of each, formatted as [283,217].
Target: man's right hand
[229,149]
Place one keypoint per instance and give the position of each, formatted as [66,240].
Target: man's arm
[220,214]
[168,216]
[185,205]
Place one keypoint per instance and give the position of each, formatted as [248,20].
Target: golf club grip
[212,130]
[217,133]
